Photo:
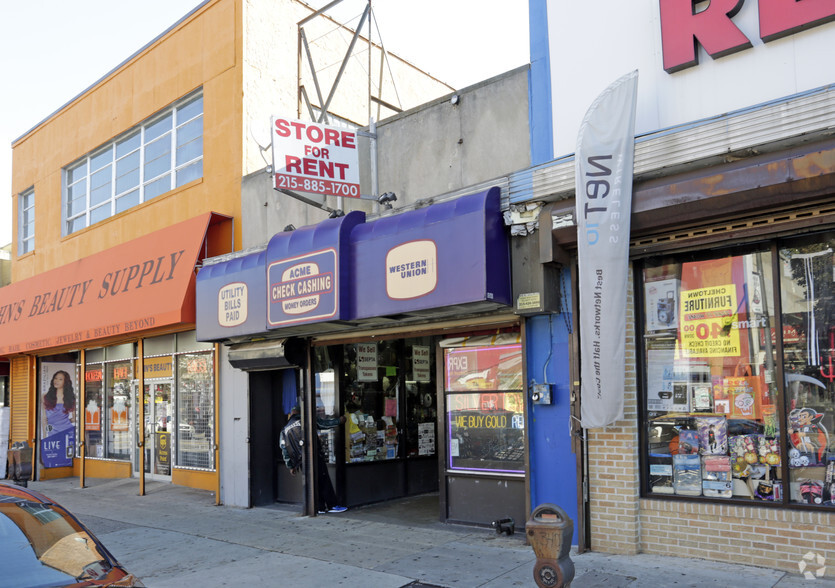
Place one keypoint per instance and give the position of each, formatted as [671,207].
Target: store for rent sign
[316,158]
[709,326]
[685,22]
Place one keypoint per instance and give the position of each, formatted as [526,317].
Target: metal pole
[140,400]
[344,63]
[82,399]
[372,127]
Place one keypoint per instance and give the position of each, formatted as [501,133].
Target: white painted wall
[594,42]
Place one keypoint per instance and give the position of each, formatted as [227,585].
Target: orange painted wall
[203,51]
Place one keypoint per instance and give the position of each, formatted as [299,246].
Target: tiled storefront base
[768,537]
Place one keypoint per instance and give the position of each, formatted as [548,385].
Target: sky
[52,50]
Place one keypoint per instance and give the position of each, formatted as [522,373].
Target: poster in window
[58,414]
[420,363]
[367,362]
[661,302]
[708,319]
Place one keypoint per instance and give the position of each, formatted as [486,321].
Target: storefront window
[485,408]
[421,398]
[372,402]
[719,422]
[195,400]
[118,376]
[807,287]
[94,442]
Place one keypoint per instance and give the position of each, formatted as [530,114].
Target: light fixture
[386,198]
[455,99]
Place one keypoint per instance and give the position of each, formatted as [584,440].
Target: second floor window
[26,222]
[162,153]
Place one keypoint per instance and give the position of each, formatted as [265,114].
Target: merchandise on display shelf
[661,473]
[687,474]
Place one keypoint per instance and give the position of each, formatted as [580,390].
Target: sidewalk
[175,536]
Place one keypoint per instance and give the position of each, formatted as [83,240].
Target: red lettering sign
[779,18]
[713,28]
[682,27]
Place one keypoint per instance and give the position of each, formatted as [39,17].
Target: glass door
[159,430]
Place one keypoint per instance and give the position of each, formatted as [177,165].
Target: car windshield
[40,545]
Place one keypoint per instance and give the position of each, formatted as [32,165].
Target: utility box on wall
[536,285]
[536,262]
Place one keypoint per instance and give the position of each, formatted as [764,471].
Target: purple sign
[57,449]
[303,288]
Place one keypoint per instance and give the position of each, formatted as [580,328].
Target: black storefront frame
[438,331]
[407,475]
[746,241]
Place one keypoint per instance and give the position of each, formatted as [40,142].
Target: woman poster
[58,414]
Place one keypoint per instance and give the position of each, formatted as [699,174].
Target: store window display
[94,442]
[386,391]
[119,413]
[372,406]
[719,423]
[485,408]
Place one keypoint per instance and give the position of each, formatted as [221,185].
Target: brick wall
[767,537]
[614,477]
[622,522]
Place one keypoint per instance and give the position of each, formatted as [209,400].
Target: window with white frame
[26,222]
[162,153]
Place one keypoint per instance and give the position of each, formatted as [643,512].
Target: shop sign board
[232,307]
[315,158]
[135,286]
[696,59]
[682,27]
[412,269]
[303,288]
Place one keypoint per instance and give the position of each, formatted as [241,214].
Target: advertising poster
[58,408]
[661,302]
[708,319]
[367,362]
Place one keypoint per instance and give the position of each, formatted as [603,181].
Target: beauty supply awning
[144,284]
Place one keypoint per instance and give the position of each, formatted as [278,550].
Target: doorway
[160,429]
[271,395]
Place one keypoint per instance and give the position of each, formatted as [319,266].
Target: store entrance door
[160,428]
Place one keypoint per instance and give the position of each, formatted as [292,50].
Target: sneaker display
[338,509]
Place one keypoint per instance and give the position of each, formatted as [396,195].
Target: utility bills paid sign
[311,157]
[303,289]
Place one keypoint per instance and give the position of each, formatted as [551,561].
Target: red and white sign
[317,158]
[682,26]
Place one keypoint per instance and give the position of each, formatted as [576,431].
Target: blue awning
[439,257]
[440,261]
[305,273]
[230,298]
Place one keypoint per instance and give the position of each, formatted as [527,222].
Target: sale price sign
[709,325]
[317,158]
